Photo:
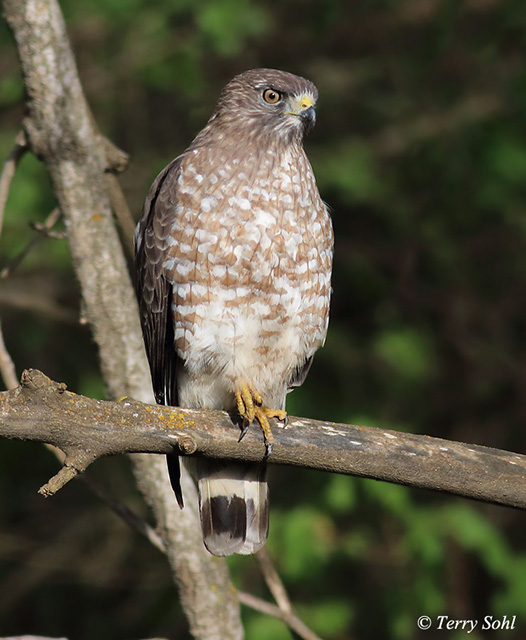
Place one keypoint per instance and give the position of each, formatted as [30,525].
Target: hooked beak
[303,107]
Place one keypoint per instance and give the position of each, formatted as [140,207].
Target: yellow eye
[271,96]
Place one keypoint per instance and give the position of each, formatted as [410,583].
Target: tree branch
[127,515]
[8,171]
[7,366]
[273,581]
[43,231]
[87,429]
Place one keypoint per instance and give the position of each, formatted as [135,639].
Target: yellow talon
[240,403]
[249,403]
[247,400]
[256,395]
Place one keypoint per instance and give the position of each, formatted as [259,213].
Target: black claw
[286,421]
[268,449]
[244,429]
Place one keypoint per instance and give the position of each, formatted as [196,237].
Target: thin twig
[44,231]
[121,211]
[127,515]
[8,171]
[280,595]
[7,366]
[48,233]
[290,619]
[273,581]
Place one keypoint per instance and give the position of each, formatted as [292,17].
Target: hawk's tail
[233,501]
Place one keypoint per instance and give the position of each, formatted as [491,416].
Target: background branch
[8,170]
[7,366]
[43,231]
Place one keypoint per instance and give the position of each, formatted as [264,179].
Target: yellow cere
[306,102]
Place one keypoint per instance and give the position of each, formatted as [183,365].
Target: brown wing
[154,291]
[298,377]
[154,294]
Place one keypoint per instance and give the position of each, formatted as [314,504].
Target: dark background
[420,152]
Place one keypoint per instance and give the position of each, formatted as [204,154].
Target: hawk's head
[266,102]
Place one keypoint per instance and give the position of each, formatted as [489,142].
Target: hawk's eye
[271,96]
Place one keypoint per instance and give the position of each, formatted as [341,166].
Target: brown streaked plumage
[233,262]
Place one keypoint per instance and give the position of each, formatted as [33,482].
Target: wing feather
[154,294]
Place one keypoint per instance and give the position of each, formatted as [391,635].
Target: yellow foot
[249,403]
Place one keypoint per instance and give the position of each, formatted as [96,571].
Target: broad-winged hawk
[233,264]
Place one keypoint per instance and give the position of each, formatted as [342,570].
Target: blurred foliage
[420,150]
